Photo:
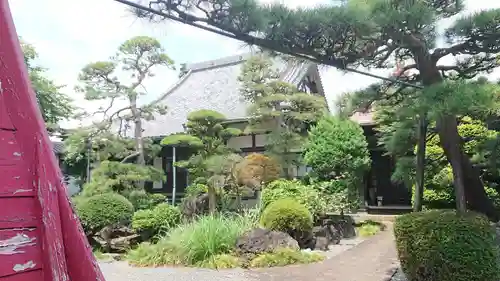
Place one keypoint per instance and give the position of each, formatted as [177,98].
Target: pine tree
[279,110]
[374,34]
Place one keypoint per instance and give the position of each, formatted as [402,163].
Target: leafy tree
[257,170]
[137,58]
[278,109]
[54,104]
[337,148]
[206,135]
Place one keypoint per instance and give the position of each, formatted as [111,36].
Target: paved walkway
[371,260]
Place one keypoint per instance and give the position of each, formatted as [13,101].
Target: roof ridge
[220,62]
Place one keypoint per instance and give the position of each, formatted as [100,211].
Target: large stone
[261,240]
[195,206]
[325,236]
[116,238]
[343,224]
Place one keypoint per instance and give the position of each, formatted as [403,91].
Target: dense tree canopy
[376,34]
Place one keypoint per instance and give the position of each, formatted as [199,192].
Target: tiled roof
[213,85]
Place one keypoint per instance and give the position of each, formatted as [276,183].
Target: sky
[70,34]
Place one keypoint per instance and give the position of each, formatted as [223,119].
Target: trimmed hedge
[103,210]
[287,215]
[161,218]
[441,245]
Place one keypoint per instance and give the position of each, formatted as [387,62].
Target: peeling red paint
[40,236]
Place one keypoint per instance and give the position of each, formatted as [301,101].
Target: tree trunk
[447,127]
[139,141]
[469,189]
[212,199]
[422,139]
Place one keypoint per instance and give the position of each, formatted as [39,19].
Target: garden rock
[344,225]
[194,206]
[117,239]
[325,236]
[261,240]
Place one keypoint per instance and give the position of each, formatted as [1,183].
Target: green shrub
[337,147]
[369,228]
[160,219]
[287,215]
[158,254]
[339,195]
[307,195]
[143,200]
[195,189]
[102,210]
[445,246]
[222,261]
[193,243]
[285,256]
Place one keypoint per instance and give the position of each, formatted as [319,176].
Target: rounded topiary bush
[442,245]
[287,215]
[159,219]
[102,210]
[306,195]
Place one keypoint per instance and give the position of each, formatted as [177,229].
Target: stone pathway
[372,260]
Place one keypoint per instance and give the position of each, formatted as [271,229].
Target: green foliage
[54,104]
[143,200]
[460,97]
[285,256]
[212,162]
[222,261]
[369,228]
[182,140]
[339,195]
[158,220]
[337,148]
[105,146]
[287,215]
[206,134]
[195,189]
[278,107]
[136,60]
[294,189]
[439,191]
[119,177]
[446,246]
[103,210]
[193,243]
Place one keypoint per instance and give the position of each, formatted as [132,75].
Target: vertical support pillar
[174,175]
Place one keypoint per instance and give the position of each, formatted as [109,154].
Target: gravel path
[352,260]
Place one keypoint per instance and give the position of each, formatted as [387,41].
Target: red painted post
[41,238]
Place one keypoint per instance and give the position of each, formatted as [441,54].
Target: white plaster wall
[240,142]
